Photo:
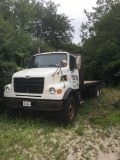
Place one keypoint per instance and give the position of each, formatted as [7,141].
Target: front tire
[69,110]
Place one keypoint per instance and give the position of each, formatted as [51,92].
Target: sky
[74,9]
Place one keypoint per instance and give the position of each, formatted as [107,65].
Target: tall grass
[104,110]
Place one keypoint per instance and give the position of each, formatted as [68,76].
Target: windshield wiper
[53,65]
[42,66]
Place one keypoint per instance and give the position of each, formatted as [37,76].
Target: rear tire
[69,111]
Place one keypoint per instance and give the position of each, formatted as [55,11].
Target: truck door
[74,74]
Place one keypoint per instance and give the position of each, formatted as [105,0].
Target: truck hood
[35,72]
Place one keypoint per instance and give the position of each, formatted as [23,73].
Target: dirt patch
[94,144]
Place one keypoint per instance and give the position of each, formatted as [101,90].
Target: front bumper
[41,105]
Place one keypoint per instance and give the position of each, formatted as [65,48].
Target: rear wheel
[68,111]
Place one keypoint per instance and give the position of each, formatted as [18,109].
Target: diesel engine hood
[35,72]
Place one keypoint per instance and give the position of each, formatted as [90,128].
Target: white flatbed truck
[54,82]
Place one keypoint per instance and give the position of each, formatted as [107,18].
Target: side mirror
[78,61]
[63,63]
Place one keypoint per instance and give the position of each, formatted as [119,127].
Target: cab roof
[52,53]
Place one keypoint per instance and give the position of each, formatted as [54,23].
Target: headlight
[52,90]
[7,89]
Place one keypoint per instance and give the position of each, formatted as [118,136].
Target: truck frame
[53,82]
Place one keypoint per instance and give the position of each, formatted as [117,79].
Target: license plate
[27,103]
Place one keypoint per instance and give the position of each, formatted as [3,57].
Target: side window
[72,62]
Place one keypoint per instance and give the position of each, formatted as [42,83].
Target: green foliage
[80,131]
[39,19]
[70,47]
[52,27]
[104,111]
[101,38]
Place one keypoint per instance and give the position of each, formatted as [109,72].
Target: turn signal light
[59,91]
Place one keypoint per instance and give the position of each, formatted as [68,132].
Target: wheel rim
[72,110]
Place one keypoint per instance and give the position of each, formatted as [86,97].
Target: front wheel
[69,110]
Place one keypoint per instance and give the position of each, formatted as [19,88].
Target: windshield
[47,60]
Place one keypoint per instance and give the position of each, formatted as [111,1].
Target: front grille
[31,85]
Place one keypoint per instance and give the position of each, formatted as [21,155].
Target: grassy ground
[95,134]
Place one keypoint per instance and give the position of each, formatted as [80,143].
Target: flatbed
[90,83]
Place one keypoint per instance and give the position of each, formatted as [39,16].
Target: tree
[88,29]
[16,44]
[53,28]
[101,39]
[38,18]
